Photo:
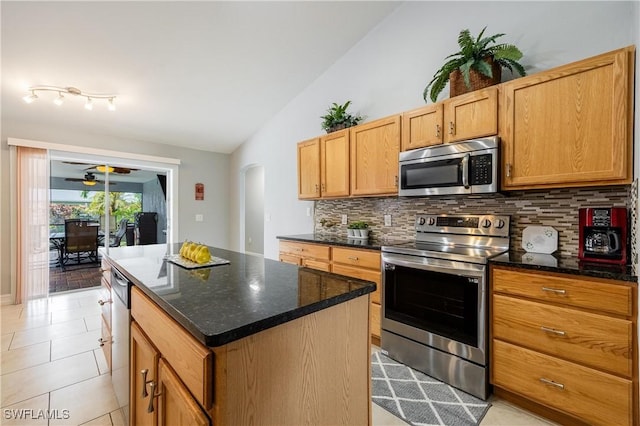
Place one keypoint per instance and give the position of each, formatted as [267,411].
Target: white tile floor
[50,362]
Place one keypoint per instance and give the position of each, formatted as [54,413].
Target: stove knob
[432,221]
[500,224]
[421,221]
[486,223]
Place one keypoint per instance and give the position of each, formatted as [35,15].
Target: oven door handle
[437,265]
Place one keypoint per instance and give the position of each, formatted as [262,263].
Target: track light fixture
[70,91]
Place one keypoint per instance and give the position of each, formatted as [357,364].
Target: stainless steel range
[435,298]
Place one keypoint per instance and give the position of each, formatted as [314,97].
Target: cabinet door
[334,164]
[176,405]
[570,126]
[422,127]
[472,115]
[374,157]
[144,357]
[309,169]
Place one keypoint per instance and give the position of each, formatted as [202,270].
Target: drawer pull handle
[103,341]
[153,395]
[145,382]
[554,290]
[354,258]
[552,383]
[552,330]
[102,302]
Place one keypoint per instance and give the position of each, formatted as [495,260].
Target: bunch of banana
[198,253]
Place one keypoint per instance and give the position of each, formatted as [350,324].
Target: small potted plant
[477,65]
[338,118]
[358,229]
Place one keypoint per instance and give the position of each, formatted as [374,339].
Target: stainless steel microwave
[466,167]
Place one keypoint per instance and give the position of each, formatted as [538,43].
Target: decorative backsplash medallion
[557,208]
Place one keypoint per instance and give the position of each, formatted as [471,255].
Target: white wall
[254,210]
[386,72]
[196,166]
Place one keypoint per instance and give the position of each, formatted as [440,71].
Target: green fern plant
[473,54]
[337,118]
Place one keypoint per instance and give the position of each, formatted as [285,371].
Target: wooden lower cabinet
[176,405]
[357,263]
[566,345]
[309,371]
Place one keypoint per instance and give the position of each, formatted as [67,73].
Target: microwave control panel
[481,169]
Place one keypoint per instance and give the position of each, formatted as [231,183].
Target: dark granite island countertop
[224,303]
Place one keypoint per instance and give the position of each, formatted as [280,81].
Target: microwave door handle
[465,171]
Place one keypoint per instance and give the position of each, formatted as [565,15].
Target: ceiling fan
[89,180]
[102,168]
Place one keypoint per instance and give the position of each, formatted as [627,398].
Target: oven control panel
[491,225]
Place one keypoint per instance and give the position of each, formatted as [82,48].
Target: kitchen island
[251,342]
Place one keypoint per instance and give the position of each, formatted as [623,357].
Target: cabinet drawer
[189,358]
[596,397]
[289,258]
[582,292]
[316,264]
[375,319]
[105,301]
[314,251]
[105,267]
[363,274]
[591,339]
[362,258]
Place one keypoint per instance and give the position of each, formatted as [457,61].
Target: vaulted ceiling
[204,75]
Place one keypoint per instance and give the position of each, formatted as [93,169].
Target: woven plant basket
[336,127]
[477,80]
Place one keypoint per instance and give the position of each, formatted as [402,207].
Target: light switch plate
[308,211]
[199,218]
[387,220]
[344,219]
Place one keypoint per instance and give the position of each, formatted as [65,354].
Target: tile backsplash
[557,208]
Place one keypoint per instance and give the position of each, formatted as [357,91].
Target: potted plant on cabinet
[477,65]
[358,229]
[338,118]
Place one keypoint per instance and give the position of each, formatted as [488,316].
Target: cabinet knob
[437,130]
[396,181]
[317,189]
[451,128]
[324,187]
[508,169]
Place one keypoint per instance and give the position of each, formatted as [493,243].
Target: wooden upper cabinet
[422,127]
[309,169]
[570,126]
[467,116]
[471,115]
[375,147]
[334,164]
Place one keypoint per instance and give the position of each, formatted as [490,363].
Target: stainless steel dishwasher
[121,317]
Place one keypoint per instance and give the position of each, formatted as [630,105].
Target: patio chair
[80,242]
[120,233]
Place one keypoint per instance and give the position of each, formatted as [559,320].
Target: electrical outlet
[308,211]
[387,220]
[344,219]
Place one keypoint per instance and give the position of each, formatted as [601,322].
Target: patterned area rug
[419,399]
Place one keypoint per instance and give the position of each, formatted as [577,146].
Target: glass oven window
[439,303]
[431,174]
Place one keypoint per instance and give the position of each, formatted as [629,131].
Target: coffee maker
[603,235]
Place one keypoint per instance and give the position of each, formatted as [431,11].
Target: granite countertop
[564,264]
[369,244]
[220,304]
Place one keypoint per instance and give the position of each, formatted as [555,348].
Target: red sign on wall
[199,191]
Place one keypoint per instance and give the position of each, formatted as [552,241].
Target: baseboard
[6,299]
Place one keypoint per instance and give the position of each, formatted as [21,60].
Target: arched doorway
[254,210]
